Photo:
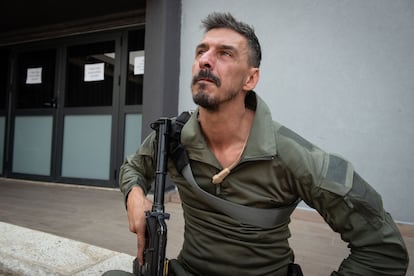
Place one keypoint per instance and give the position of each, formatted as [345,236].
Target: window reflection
[3,78]
[135,73]
[90,75]
[36,79]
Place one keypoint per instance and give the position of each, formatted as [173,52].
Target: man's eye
[226,53]
[200,52]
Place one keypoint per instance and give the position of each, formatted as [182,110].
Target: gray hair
[217,20]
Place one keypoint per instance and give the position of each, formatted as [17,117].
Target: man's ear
[252,79]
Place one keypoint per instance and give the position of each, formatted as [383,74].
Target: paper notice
[94,72]
[139,65]
[34,75]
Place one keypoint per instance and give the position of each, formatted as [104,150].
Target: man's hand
[137,204]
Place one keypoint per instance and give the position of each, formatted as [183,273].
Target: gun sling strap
[264,218]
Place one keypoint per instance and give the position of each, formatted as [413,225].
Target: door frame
[117,110]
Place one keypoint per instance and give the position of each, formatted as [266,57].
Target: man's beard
[202,97]
[205,100]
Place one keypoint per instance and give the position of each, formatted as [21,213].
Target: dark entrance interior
[30,20]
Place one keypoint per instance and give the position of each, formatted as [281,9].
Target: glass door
[131,106]
[76,108]
[4,80]
[35,105]
[90,92]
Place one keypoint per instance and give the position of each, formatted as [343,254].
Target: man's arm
[136,176]
[376,245]
[137,204]
[138,169]
[348,204]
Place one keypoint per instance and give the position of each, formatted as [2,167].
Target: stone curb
[25,251]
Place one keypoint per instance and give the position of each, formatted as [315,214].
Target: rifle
[155,262]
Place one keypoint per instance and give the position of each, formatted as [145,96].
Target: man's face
[220,68]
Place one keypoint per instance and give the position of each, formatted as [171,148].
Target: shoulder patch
[294,136]
[337,169]
[339,175]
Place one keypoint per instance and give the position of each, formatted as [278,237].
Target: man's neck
[226,131]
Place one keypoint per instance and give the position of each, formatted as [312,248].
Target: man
[262,165]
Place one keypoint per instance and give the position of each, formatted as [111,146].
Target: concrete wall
[340,73]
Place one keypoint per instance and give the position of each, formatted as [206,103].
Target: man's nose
[206,60]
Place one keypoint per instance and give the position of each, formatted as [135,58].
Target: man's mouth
[206,76]
[206,80]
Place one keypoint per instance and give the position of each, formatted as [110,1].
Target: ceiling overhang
[24,21]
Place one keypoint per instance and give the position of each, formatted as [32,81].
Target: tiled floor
[97,216]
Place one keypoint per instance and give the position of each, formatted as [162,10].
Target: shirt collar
[260,144]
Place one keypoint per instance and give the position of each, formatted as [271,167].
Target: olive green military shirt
[277,167]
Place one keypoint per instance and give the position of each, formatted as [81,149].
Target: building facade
[340,73]
[72,92]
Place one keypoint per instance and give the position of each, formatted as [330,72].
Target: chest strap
[264,218]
